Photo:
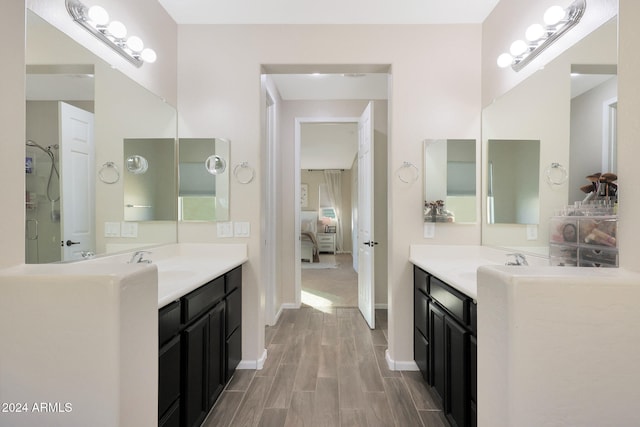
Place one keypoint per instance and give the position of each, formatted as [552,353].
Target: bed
[308,232]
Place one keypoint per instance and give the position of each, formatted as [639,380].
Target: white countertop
[457,265]
[183,267]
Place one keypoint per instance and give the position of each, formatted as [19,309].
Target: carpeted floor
[335,287]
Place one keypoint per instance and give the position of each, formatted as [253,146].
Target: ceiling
[328,11]
[328,145]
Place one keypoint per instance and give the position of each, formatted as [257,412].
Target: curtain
[333,179]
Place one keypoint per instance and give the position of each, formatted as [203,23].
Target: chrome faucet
[138,258]
[519,259]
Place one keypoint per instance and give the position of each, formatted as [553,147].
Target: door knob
[370,244]
[69,243]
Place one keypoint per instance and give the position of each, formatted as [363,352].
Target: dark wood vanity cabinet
[445,345]
[200,347]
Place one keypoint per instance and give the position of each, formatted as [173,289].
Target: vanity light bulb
[98,15]
[149,55]
[554,15]
[135,44]
[518,47]
[504,60]
[535,32]
[117,29]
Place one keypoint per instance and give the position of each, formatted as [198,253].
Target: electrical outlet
[111,229]
[129,229]
[532,232]
[241,229]
[225,229]
[429,230]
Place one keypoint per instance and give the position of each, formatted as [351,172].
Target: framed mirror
[450,180]
[203,179]
[64,76]
[150,179]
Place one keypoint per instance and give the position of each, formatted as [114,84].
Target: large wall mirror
[66,80]
[450,177]
[567,109]
[204,179]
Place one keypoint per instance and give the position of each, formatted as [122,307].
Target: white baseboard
[400,365]
[254,364]
[289,305]
[384,306]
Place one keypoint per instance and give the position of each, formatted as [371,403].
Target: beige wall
[629,132]
[12,133]
[435,94]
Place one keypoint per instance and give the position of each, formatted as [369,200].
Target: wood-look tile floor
[325,367]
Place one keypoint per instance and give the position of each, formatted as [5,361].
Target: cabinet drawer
[168,322]
[456,303]
[233,280]
[202,298]
[420,279]
[323,238]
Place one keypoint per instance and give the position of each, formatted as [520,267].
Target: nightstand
[327,242]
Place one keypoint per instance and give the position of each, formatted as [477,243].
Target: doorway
[328,200]
[283,287]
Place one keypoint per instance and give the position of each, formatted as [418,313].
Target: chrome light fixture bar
[113,33]
[557,22]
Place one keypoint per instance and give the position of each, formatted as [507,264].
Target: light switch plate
[429,230]
[111,229]
[225,229]
[129,229]
[241,229]
[532,232]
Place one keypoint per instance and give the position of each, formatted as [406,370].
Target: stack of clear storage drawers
[585,237]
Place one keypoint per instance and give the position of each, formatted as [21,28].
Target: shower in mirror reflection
[42,202]
[52,195]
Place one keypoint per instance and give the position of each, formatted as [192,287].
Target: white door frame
[269,249]
[298,180]
[609,135]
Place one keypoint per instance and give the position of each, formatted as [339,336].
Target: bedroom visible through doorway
[332,282]
[328,153]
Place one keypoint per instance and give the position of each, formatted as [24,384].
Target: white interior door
[366,242]
[77,181]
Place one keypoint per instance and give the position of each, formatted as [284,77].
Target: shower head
[48,148]
[31,143]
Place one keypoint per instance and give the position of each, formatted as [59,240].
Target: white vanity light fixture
[557,21]
[95,19]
